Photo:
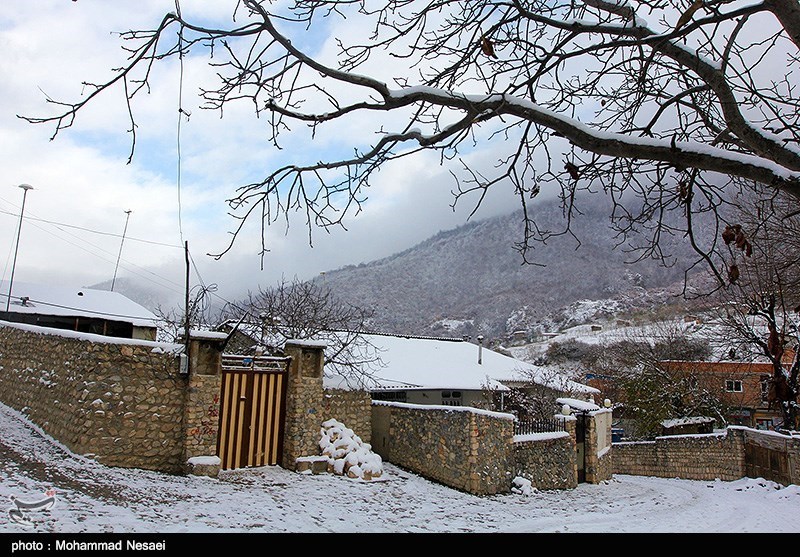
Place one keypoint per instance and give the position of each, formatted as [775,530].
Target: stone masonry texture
[121,403]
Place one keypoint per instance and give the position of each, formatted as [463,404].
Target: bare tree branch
[639,100]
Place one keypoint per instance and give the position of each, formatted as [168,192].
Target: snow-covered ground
[91,498]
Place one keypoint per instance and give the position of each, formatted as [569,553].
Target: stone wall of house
[692,457]
[116,399]
[460,447]
[547,460]
[353,408]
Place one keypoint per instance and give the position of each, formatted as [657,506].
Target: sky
[92,216]
[95,499]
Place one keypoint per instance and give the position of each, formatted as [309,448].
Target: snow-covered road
[92,498]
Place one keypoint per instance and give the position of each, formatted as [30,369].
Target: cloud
[82,177]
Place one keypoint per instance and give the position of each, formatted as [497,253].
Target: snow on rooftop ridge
[686,421]
[577,404]
[307,342]
[206,334]
[502,415]
[247,328]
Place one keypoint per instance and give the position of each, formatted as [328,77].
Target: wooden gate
[252,409]
[767,458]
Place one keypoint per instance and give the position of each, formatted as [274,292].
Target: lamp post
[25,188]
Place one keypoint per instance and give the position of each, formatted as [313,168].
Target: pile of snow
[347,454]
[522,486]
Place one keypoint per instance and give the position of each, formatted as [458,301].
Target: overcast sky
[82,182]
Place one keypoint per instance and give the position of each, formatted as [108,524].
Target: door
[580,446]
[252,411]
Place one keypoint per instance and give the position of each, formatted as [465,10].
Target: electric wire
[146,274]
[84,229]
[180,118]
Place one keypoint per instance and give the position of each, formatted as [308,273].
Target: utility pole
[25,188]
[119,255]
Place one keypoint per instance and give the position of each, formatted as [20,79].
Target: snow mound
[522,486]
[347,454]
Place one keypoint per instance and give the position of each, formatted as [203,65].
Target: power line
[181,112]
[84,229]
[170,283]
[127,218]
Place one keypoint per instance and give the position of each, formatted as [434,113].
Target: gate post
[201,403]
[304,400]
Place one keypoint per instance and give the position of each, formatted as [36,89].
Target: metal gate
[580,445]
[252,408]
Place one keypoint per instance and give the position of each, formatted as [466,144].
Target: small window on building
[451,398]
[765,424]
[393,396]
[733,386]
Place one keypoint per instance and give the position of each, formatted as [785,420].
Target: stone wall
[119,400]
[691,457]
[475,450]
[128,403]
[546,459]
[201,421]
[599,464]
[461,447]
[304,402]
[350,407]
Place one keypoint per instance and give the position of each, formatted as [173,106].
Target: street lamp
[25,188]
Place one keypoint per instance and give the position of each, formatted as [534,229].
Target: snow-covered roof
[427,363]
[58,300]
[423,362]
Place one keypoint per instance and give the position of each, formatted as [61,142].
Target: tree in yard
[307,310]
[759,311]
[532,395]
[671,108]
[647,383]
[172,322]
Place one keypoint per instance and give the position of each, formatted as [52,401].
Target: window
[451,398]
[733,386]
[394,396]
[766,424]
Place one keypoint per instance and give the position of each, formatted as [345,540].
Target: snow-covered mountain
[471,280]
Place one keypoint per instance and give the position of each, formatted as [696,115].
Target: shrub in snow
[347,454]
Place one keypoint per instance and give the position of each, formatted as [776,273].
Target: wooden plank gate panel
[768,462]
[252,411]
